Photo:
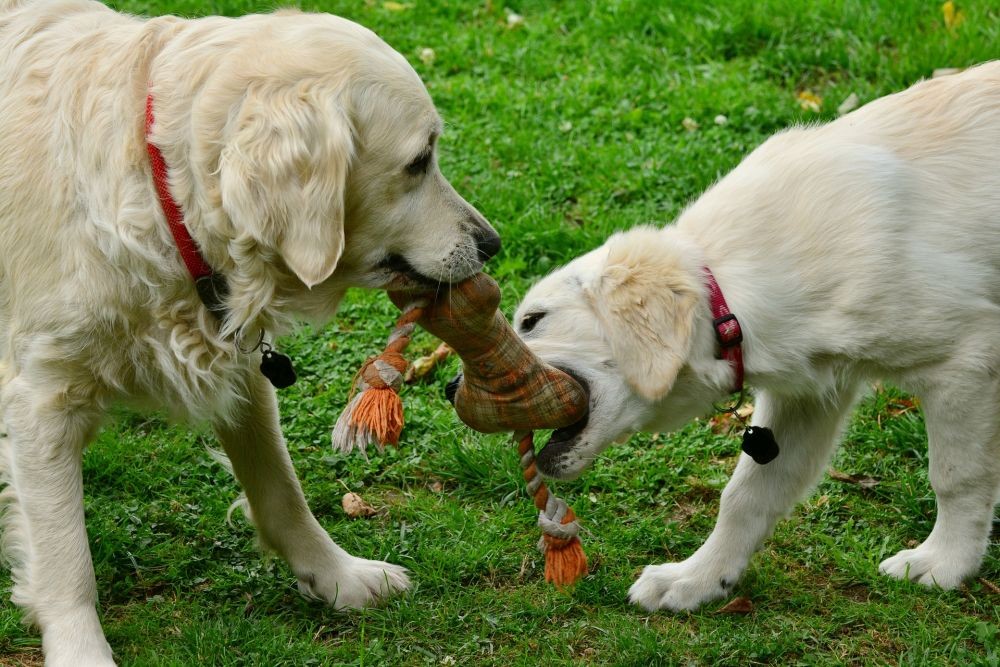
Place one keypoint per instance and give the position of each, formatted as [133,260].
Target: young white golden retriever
[865,248]
[301,151]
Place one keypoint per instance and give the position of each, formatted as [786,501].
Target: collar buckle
[727,330]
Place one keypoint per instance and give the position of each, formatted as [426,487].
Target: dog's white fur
[865,248]
[294,145]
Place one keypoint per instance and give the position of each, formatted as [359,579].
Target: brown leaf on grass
[355,506]
[722,423]
[737,606]
[901,406]
[424,365]
[993,588]
[727,422]
[864,481]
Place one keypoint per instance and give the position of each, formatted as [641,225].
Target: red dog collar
[727,329]
[211,286]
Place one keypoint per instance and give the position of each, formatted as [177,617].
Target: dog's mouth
[403,276]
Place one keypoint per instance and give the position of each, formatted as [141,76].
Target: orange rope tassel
[380,410]
[565,561]
[374,416]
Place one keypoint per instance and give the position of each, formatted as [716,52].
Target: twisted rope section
[565,561]
[374,415]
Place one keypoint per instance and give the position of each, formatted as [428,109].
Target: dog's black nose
[451,388]
[487,243]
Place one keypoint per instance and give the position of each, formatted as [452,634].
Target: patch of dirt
[31,658]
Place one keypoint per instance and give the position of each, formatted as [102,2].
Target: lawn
[565,121]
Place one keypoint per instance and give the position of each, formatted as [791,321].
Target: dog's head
[629,319]
[327,165]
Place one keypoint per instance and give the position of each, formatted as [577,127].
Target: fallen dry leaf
[723,423]
[990,585]
[902,406]
[396,6]
[864,481]
[726,422]
[737,606]
[953,16]
[809,101]
[354,506]
[424,365]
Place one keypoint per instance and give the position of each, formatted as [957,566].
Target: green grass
[561,131]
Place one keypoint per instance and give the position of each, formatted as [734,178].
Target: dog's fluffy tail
[241,503]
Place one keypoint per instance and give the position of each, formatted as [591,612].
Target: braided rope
[565,561]
[374,415]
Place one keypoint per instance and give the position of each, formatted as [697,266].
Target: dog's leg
[261,463]
[47,428]
[964,440]
[756,497]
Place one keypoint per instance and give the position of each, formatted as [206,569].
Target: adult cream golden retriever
[865,248]
[301,151]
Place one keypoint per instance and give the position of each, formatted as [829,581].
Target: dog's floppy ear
[283,177]
[645,302]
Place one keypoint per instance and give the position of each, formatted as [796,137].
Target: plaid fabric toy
[504,387]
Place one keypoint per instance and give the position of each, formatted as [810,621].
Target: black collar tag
[759,444]
[276,367]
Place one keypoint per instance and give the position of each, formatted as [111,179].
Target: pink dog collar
[727,329]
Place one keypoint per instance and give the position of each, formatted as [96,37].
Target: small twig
[990,585]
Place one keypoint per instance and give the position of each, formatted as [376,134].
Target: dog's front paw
[356,583]
[74,639]
[679,586]
[931,566]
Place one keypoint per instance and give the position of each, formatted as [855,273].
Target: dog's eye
[529,321]
[419,165]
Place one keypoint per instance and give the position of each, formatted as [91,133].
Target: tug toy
[503,387]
